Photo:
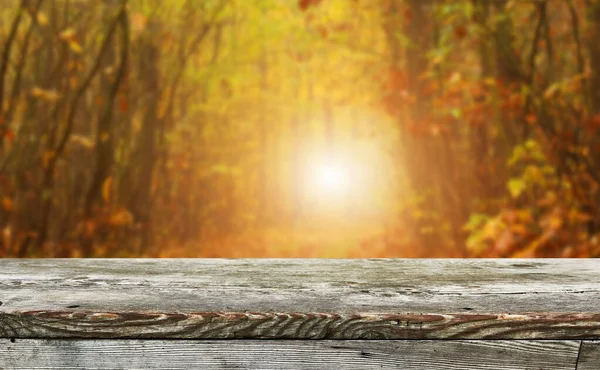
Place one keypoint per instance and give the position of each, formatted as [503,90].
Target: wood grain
[300,299]
[589,356]
[264,354]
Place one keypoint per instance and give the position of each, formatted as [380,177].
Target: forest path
[333,238]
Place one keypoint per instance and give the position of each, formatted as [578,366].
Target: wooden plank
[300,299]
[265,354]
[589,356]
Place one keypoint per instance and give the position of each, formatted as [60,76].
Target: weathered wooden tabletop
[455,314]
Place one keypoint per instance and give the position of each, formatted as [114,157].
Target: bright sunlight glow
[332,178]
[330,182]
[352,178]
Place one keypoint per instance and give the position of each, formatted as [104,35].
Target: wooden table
[290,314]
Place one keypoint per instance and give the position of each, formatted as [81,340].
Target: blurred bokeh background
[299,128]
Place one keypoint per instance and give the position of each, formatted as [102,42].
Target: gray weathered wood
[589,356]
[300,299]
[268,354]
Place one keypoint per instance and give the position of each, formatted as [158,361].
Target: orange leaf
[48,156]
[9,134]
[121,217]
[531,118]
[7,204]
[106,189]
[305,4]
[323,32]
[397,79]
[408,15]
[138,22]
[67,35]
[123,104]
[594,123]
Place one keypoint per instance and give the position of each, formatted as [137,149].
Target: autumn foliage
[465,128]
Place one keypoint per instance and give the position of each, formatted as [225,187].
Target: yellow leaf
[552,90]
[555,222]
[75,47]
[138,22]
[121,217]
[455,78]
[489,81]
[106,189]
[524,215]
[83,141]
[493,229]
[528,252]
[67,35]
[42,19]
[437,59]
[47,95]
[516,186]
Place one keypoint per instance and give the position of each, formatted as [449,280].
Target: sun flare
[347,183]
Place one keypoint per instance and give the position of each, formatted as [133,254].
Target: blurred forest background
[299,128]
